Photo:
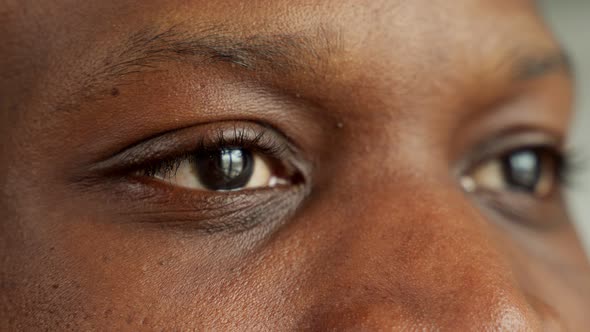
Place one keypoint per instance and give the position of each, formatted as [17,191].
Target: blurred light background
[570,20]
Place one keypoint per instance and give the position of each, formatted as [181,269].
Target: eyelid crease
[238,139]
[172,145]
[506,141]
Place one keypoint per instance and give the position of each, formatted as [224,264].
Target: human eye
[219,176]
[522,177]
[233,160]
[534,170]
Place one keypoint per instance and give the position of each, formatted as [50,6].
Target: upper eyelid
[507,141]
[171,164]
[177,143]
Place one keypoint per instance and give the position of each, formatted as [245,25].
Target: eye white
[187,176]
[492,174]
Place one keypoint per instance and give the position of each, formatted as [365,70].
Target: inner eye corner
[245,155]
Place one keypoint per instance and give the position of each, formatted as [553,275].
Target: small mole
[115,92]
[55,286]
[52,249]
[161,263]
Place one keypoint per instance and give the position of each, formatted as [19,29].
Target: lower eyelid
[140,200]
[521,209]
[212,213]
[513,207]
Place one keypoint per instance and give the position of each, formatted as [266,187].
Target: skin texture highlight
[377,115]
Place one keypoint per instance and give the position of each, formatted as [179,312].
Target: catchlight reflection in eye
[224,169]
[531,171]
[523,168]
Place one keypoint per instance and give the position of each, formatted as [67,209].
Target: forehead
[374,47]
[386,30]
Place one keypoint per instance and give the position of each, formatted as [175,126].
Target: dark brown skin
[387,107]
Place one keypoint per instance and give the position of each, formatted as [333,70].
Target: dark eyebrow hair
[144,49]
[304,51]
[544,63]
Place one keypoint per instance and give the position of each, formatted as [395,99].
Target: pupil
[224,169]
[523,170]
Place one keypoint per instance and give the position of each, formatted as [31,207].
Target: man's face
[275,165]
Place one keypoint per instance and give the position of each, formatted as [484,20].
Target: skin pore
[386,139]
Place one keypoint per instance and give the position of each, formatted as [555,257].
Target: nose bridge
[424,261]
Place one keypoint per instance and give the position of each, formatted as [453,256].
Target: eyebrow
[280,53]
[541,64]
[213,44]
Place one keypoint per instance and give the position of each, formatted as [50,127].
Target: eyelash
[570,164]
[240,137]
[563,160]
[528,209]
[567,163]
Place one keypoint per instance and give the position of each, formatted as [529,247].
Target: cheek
[90,272]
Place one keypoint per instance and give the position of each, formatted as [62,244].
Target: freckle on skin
[115,92]
[56,286]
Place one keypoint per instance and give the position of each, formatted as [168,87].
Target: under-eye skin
[231,175]
[521,176]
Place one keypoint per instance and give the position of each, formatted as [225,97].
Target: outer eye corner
[219,157]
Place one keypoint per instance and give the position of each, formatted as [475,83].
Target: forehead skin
[380,95]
